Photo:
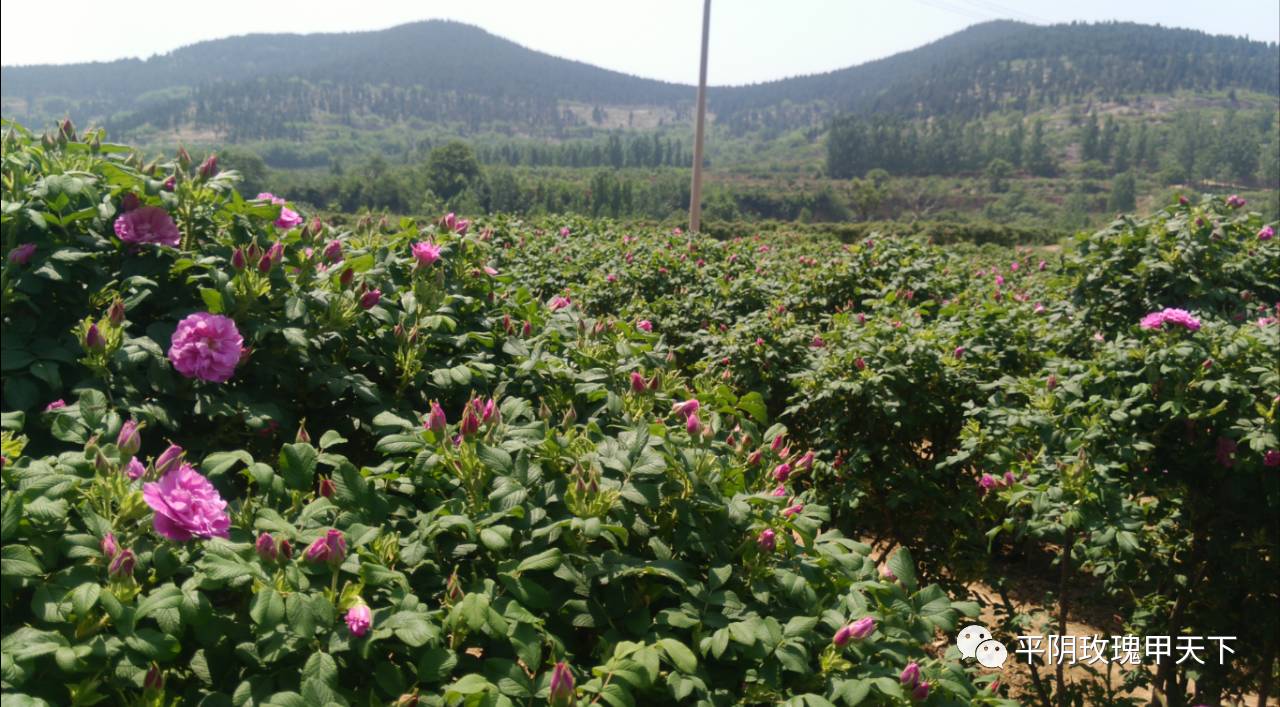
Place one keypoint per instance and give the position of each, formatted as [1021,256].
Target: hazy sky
[751,40]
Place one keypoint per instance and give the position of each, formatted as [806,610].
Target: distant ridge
[272,85]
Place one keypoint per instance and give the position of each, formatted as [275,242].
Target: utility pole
[695,192]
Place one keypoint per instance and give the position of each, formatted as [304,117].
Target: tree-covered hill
[274,86]
[1013,66]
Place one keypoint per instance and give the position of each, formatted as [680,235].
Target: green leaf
[680,655]
[321,667]
[904,568]
[167,596]
[154,645]
[545,560]
[17,561]
[411,627]
[298,465]
[212,300]
[436,664]
[85,597]
[267,608]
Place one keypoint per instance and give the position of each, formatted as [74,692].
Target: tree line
[1193,146]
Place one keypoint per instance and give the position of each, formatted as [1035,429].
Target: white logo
[975,641]
[992,654]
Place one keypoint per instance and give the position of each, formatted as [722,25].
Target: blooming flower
[887,573]
[638,384]
[644,325]
[186,505]
[1265,234]
[988,482]
[22,254]
[288,218]
[560,693]
[330,547]
[767,540]
[558,303]
[1235,201]
[1169,315]
[129,441]
[147,224]
[425,253]
[134,469]
[564,231]
[206,346]
[1182,318]
[359,619]
[780,492]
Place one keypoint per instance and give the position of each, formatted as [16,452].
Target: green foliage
[575,518]
[923,375]
[451,168]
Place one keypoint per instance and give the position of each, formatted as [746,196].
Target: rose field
[255,455]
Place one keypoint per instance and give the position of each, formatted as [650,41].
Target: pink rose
[148,224]
[206,346]
[426,253]
[186,505]
[359,620]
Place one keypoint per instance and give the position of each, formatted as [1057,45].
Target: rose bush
[1112,408]
[263,485]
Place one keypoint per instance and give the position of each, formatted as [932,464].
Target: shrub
[418,480]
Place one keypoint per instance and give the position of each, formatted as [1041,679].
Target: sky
[751,40]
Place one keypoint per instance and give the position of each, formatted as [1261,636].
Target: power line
[993,6]
[963,11]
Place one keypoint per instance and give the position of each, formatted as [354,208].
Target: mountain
[1005,65]
[268,86]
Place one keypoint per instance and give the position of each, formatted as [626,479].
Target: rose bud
[266,547]
[129,441]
